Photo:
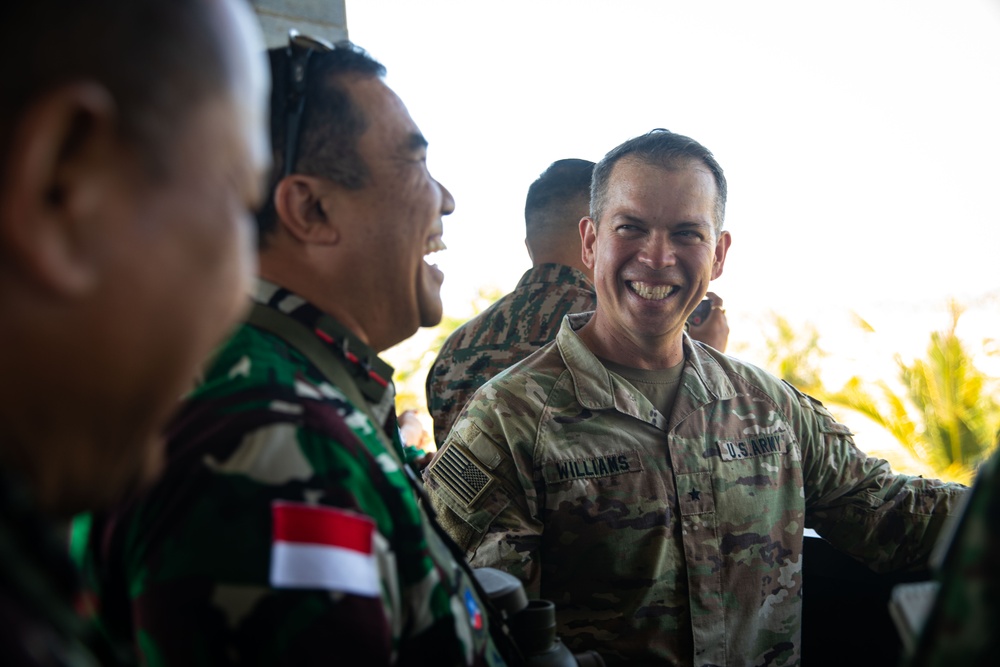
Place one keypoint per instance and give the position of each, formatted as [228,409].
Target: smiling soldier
[286,530]
[652,487]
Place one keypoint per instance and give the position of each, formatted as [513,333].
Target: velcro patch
[604,465]
[462,474]
[758,444]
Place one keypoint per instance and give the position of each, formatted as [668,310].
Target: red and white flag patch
[314,546]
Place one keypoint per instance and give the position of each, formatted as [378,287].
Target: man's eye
[689,235]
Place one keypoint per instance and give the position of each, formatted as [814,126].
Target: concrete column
[318,18]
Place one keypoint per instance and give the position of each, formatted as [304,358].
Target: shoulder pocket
[460,480]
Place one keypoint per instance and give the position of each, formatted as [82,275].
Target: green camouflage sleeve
[962,626]
[283,532]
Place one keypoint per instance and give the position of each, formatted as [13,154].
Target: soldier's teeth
[434,245]
[651,292]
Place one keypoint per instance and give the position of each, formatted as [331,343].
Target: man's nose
[447,201]
[658,251]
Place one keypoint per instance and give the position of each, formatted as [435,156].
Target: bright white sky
[861,141]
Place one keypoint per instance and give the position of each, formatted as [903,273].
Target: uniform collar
[372,375]
[558,274]
[702,381]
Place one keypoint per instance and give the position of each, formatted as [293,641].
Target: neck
[565,259]
[304,285]
[41,464]
[651,354]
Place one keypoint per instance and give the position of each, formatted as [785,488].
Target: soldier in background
[521,322]
[962,626]
[286,528]
[655,489]
[126,250]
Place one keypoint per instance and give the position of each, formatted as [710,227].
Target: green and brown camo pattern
[963,627]
[182,575]
[669,540]
[508,331]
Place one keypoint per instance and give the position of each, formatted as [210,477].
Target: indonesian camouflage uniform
[509,330]
[963,625]
[268,458]
[39,589]
[669,539]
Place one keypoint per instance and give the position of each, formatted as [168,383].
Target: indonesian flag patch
[314,546]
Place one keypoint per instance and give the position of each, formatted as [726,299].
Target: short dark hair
[560,186]
[331,122]
[156,58]
[661,148]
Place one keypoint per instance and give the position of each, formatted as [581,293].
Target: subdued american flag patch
[463,474]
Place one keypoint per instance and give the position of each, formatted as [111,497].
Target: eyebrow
[687,224]
[630,218]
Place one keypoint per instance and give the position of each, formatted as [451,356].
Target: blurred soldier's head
[556,202]
[353,208]
[132,142]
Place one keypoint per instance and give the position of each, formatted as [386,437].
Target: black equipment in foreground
[532,623]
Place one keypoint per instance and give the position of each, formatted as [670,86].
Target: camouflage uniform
[964,621]
[38,589]
[502,335]
[669,540]
[191,571]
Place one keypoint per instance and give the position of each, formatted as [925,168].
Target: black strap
[298,336]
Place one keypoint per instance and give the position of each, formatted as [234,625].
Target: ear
[299,203]
[531,255]
[55,187]
[588,237]
[721,248]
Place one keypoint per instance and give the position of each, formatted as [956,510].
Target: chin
[431,320]
[431,311]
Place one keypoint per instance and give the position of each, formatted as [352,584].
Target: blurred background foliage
[941,410]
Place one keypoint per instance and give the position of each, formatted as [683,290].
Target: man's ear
[302,212]
[721,249]
[588,236]
[55,187]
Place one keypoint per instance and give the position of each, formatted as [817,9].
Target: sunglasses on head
[300,49]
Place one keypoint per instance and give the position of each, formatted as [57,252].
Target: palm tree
[795,356]
[947,414]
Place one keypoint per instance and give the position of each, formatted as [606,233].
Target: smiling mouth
[433,245]
[649,291]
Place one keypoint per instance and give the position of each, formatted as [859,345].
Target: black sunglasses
[300,49]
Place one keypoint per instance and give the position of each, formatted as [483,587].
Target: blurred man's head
[351,221]
[133,143]
[556,201]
